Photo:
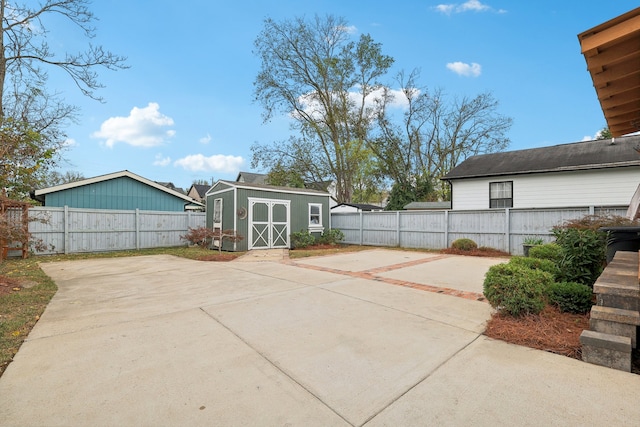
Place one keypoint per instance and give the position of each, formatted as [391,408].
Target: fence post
[398,228]
[137,229]
[446,230]
[361,226]
[65,228]
[507,230]
[592,210]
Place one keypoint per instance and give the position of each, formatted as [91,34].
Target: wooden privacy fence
[503,229]
[71,230]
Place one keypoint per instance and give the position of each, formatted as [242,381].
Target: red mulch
[551,330]
[218,257]
[9,285]
[481,251]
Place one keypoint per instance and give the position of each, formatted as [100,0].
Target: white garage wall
[600,187]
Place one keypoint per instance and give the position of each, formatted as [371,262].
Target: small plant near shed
[571,297]
[203,236]
[464,244]
[515,289]
[302,239]
[200,236]
[331,237]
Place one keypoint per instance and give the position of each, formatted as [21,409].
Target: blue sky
[184,109]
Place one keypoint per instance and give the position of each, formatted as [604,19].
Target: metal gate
[269,223]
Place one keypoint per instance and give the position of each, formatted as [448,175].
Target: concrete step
[612,351]
[615,321]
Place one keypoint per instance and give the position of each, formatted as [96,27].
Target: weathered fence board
[71,230]
[503,229]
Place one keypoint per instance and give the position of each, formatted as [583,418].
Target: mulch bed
[551,330]
[482,252]
[218,257]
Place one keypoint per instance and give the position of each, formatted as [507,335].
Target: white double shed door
[269,223]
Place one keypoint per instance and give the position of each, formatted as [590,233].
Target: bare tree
[315,73]
[26,103]
[434,134]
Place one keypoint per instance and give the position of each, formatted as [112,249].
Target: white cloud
[588,138]
[161,161]
[351,29]
[464,69]
[205,139]
[144,127]
[397,100]
[445,8]
[470,5]
[474,5]
[70,142]
[216,163]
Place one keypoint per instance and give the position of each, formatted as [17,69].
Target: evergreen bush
[302,239]
[331,237]
[536,264]
[464,244]
[571,297]
[550,251]
[515,289]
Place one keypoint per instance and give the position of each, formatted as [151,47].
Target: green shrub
[583,254]
[302,239]
[550,251]
[331,237]
[536,264]
[515,289]
[571,297]
[464,244]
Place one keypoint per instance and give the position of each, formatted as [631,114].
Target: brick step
[612,351]
[615,321]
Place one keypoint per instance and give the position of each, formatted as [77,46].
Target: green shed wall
[118,193]
[299,210]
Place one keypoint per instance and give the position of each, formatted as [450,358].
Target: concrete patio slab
[355,356]
[455,271]
[367,260]
[464,314]
[181,368]
[493,383]
[167,341]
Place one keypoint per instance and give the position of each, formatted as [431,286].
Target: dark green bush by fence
[464,244]
[332,237]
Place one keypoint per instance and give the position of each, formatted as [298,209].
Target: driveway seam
[285,373]
[420,381]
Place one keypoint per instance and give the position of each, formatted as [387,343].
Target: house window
[501,194]
[315,215]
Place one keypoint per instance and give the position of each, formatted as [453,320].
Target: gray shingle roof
[605,153]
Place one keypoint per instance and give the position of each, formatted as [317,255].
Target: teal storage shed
[265,215]
[120,190]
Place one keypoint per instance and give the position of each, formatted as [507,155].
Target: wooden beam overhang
[612,53]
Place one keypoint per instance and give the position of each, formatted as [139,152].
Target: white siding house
[593,173]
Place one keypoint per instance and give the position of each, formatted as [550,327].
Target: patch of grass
[319,250]
[21,309]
